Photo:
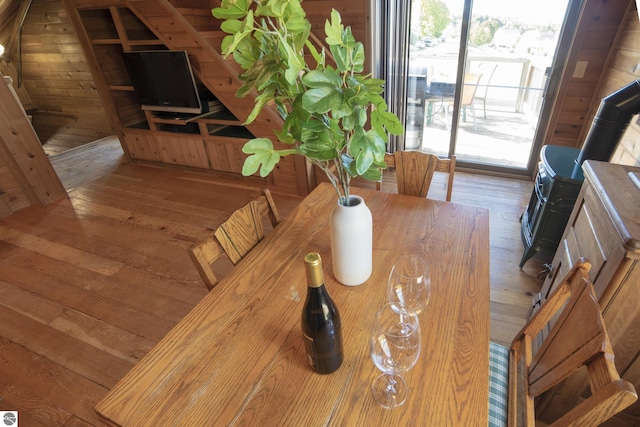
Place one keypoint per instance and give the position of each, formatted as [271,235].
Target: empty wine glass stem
[391,385]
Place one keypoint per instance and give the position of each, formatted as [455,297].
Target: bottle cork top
[313,263]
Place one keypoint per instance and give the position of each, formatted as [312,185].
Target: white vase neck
[353,201]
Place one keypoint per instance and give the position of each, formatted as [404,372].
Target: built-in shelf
[212,140]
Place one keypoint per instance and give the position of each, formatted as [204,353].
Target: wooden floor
[89,284]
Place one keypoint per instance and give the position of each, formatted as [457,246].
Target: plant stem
[335,181]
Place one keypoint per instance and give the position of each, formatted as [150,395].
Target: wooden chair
[244,228]
[235,237]
[415,169]
[574,337]
[203,256]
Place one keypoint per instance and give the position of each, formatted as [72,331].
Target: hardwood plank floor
[90,283]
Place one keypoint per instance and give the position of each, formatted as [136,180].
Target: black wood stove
[559,176]
[554,194]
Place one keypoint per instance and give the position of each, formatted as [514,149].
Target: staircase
[195,30]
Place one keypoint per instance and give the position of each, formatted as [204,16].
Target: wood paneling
[28,177]
[593,41]
[67,111]
[608,38]
[622,70]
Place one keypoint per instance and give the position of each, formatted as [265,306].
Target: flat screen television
[163,80]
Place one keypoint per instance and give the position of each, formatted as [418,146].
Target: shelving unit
[212,140]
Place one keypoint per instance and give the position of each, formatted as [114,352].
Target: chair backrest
[487,70]
[469,88]
[576,337]
[243,230]
[203,256]
[415,169]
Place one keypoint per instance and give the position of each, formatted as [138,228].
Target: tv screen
[164,81]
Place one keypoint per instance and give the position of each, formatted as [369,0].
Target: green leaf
[294,10]
[349,165]
[364,162]
[341,55]
[358,58]
[322,78]
[297,24]
[246,53]
[368,149]
[262,156]
[245,31]
[318,57]
[261,101]
[231,9]
[320,100]
[231,26]
[343,111]
[374,173]
[347,38]
[317,145]
[373,86]
[356,119]
[272,8]
[224,46]
[383,120]
[319,140]
[334,29]
[295,61]
[295,120]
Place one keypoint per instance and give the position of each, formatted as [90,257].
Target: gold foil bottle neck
[313,264]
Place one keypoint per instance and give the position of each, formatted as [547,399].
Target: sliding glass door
[477,78]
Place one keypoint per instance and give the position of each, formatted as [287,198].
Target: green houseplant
[334,114]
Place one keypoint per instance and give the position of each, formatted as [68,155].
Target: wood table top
[238,357]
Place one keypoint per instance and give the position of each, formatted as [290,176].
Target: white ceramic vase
[351,242]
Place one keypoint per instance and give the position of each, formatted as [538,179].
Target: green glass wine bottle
[321,326]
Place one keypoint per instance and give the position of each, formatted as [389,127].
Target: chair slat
[415,170]
[244,229]
[235,237]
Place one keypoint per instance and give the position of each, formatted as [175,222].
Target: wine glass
[394,347]
[409,283]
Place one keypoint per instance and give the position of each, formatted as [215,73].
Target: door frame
[397,103]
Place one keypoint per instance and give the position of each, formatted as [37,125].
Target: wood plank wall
[608,38]
[67,110]
[623,69]
[594,40]
[26,175]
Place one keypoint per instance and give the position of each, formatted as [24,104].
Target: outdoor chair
[415,169]
[469,89]
[565,335]
[487,70]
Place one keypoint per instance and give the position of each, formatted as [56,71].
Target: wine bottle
[321,327]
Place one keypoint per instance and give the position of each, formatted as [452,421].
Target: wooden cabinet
[604,227]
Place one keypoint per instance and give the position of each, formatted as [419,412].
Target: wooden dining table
[238,357]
